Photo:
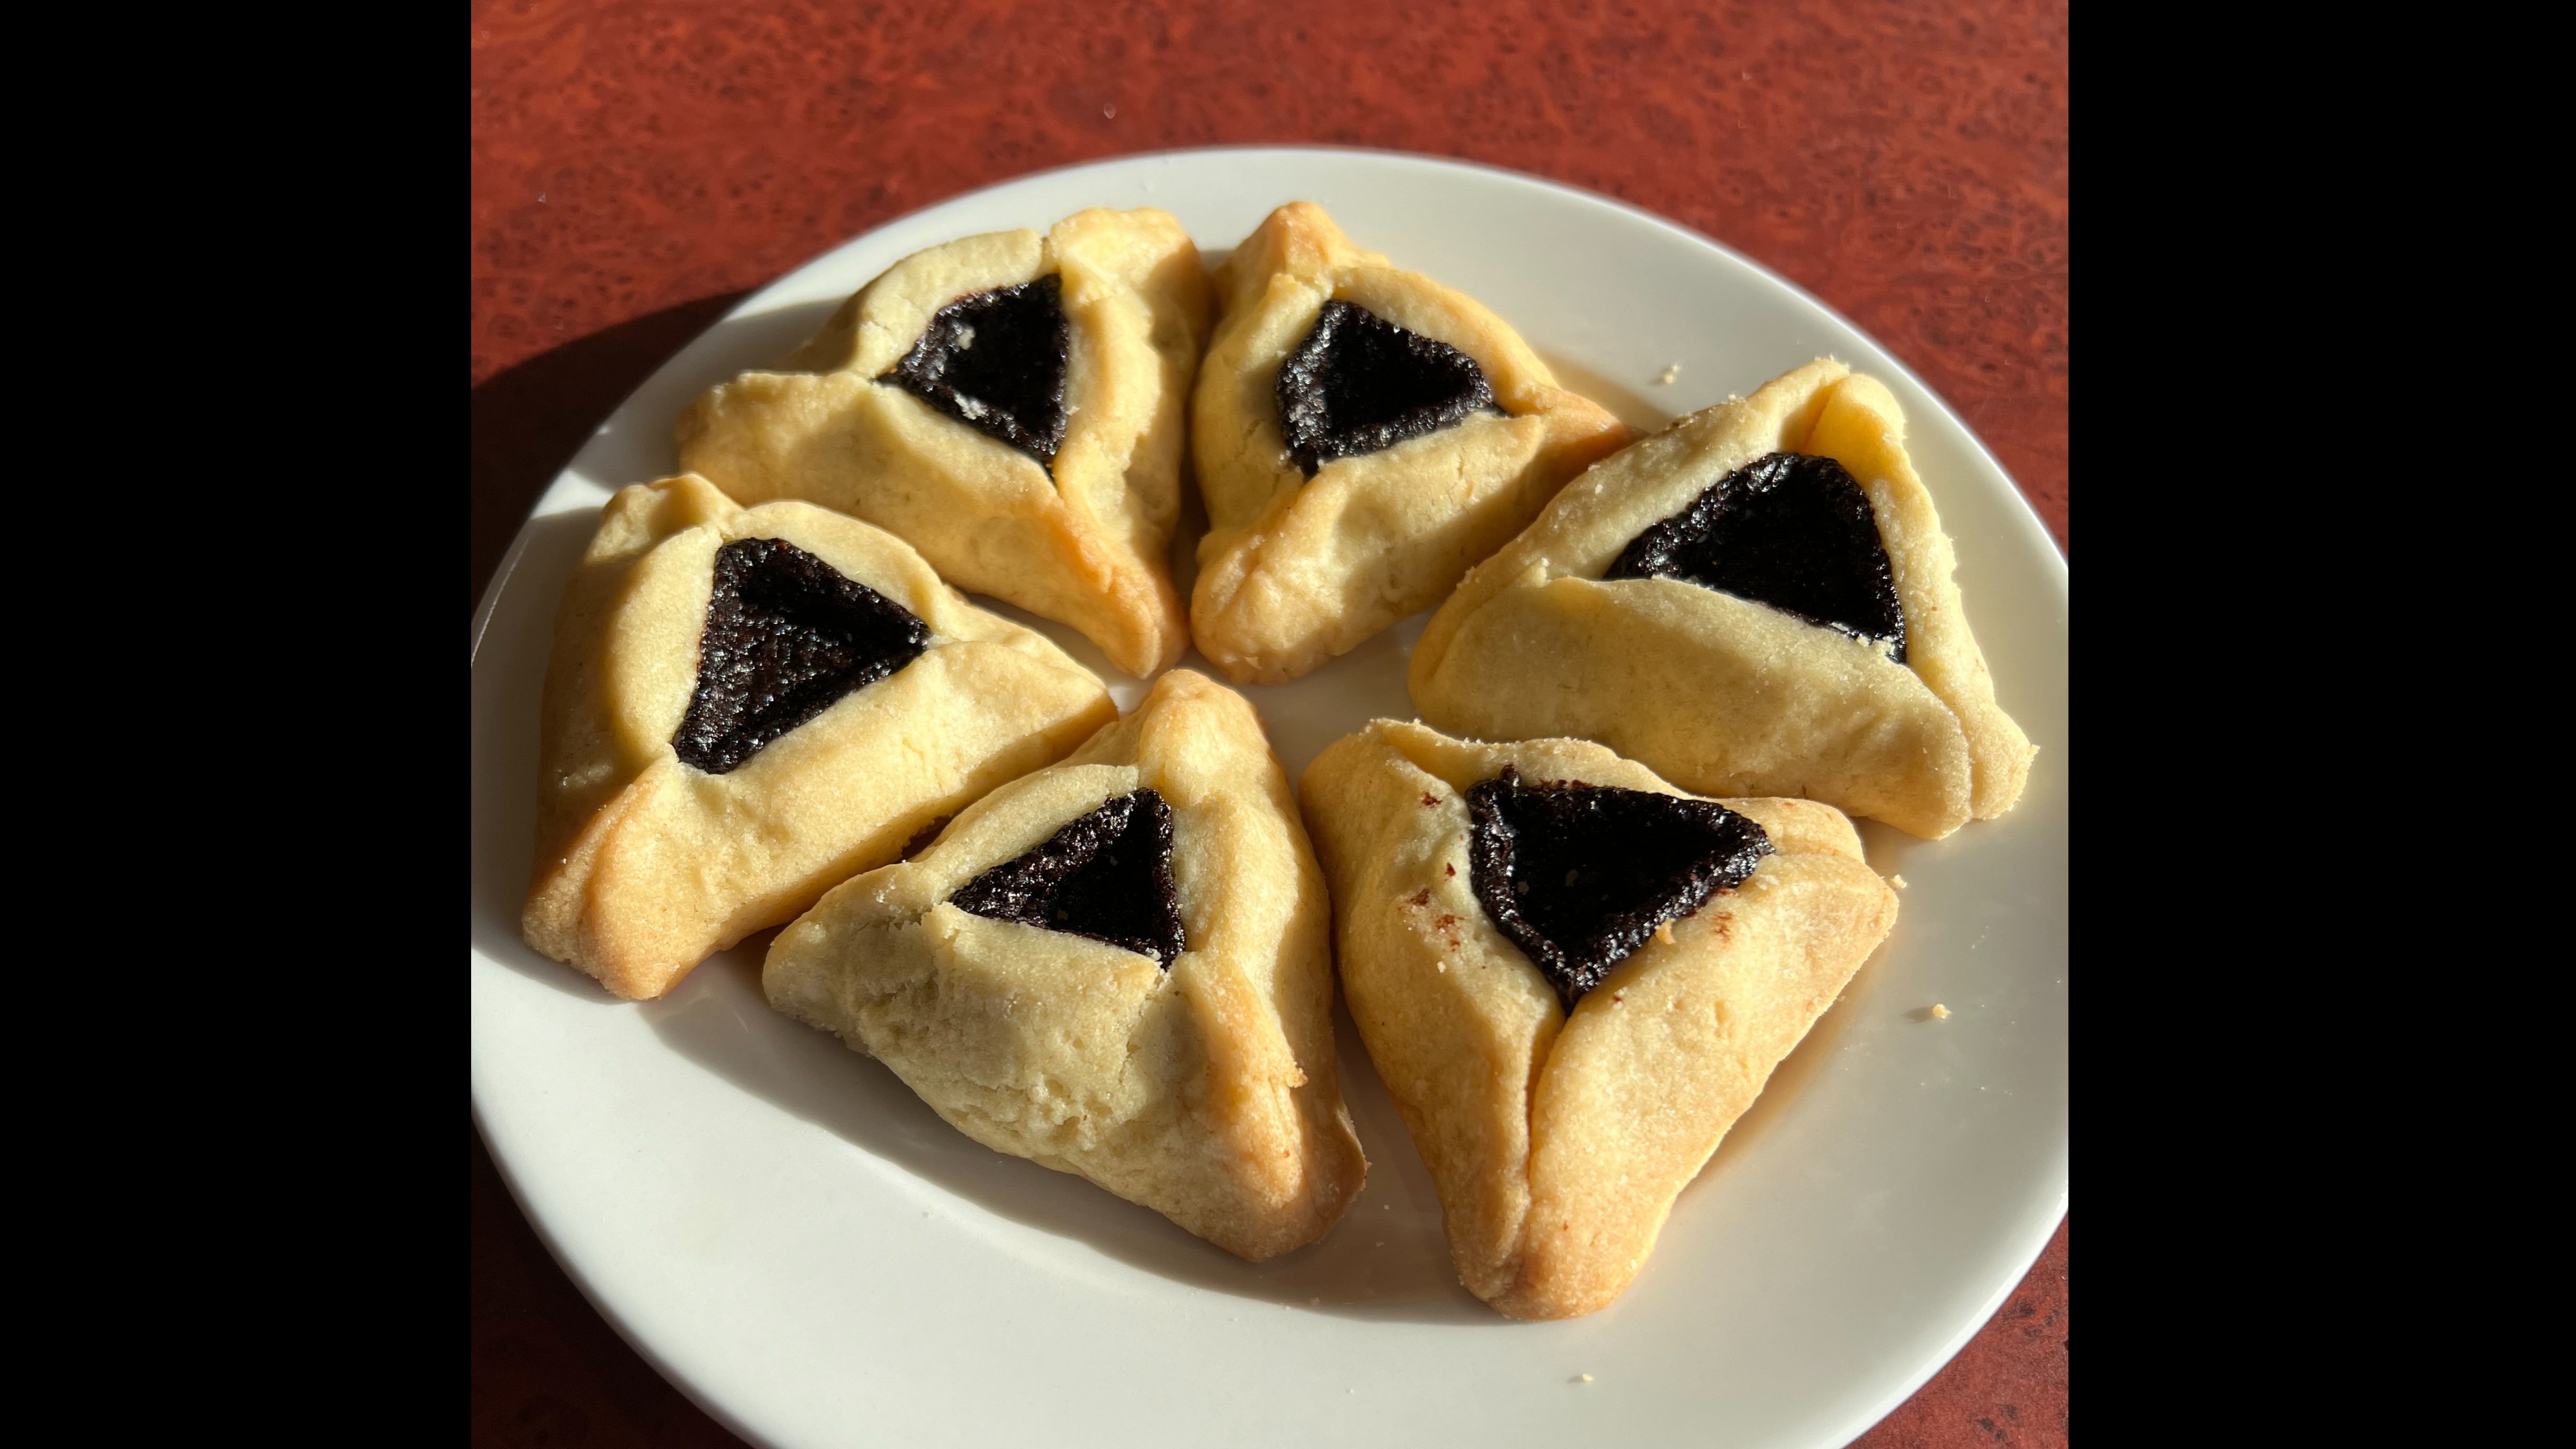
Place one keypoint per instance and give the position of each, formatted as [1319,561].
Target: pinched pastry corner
[1319,540]
[1012,405]
[745,707]
[1021,975]
[1866,690]
[1558,1138]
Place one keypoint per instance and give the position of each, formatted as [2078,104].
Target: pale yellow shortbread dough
[645,866]
[1295,571]
[1719,694]
[1088,546]
[1208,1093]
[1558,1142]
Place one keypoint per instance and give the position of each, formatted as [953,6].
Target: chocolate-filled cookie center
[1107,876]
[1578,876]
[786,637]
[1788,530]
[996,362]
[1359,383]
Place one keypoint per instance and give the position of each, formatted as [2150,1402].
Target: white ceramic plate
[789,1235]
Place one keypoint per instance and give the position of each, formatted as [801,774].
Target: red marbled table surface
[639,166]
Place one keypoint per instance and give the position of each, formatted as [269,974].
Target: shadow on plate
[527,421]
[1625,403]
[1385,1260]
[1789,1080]
[1886,849]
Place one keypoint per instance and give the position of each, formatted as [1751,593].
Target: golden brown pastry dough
[1207,1092]
[1720,694]
[646,865]
[1558,1142]
[1086,542]
[1296,570]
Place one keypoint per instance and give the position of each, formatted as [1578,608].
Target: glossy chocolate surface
[996,362]
[1788,530]
[1107,876]
[1578,876]
[787,636]
[1359,383]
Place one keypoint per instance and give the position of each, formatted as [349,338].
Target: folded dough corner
[745,707]
[1011,405]
[1757,600]
[1363,436]
[1568,1063]
[1119,967]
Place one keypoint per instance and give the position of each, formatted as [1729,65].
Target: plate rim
[2026,518]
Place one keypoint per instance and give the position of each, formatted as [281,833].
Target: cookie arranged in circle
[1573,979]
[1118,967]
[1011,405]
[746,707]
[1363,436]
[1756,601]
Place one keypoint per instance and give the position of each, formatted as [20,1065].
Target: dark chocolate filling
[787,636]
[926,837]
[1359,383]
[1578,876]
[1107,876]
[996,362]
[1788,530]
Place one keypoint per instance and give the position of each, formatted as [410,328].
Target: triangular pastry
[1010,405]
[1755,601]
[1573,979]
[746,707]
[1117,967]
[1363,436]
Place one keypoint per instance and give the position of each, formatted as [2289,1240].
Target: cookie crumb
[1672,373]
[1897,881]
[1664,933]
